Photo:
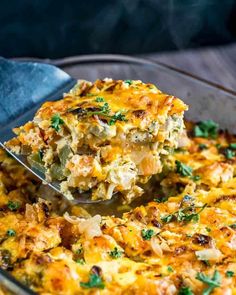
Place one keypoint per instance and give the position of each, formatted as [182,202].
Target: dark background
[53,29]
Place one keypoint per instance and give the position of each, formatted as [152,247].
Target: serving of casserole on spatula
[104,137]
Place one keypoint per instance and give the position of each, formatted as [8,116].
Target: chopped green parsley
[206,129]
[186,214]
[13,206]
[56,121]
[185,291]
[183,169]
[229,273]
[115,253]
[232,146]
[95,281]
[11,232]
[129,82]
[147,234]
[229,154]
[211,283]
[99,99]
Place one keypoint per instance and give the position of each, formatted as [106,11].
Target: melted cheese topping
[158,248]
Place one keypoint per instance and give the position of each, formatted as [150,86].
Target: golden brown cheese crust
[107,136]
[159,248]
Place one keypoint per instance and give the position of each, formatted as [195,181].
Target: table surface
[215,64]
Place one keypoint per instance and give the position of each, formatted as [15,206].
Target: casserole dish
[205,100]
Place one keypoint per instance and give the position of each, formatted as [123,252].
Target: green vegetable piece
[212,283]
[64,154]
[35,162]
[147,234]
[95,281]
[185,291]
[57,172]
[13,206]
[229,273]
[206,129]
[183,169]
[56,121]
[116,253]
[11,233]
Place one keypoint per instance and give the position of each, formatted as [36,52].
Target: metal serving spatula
[24,86]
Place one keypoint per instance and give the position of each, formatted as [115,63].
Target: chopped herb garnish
[169,268]
[118,116]
[13,206]
[168,218]
[183,169]
[196,177]
[229,273]
[229,154]
[56,121]
[185,291]
[212,283]
[161,199]
[202,146]
[206,129]
[11,233]
[208,229]
[218,146]
[147,234]
[104,110]
[232,146]
[99,99]
[129,82]
[95,281]
[186,214]
[80,261]
[115,253]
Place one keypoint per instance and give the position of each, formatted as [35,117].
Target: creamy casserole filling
[108,136]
